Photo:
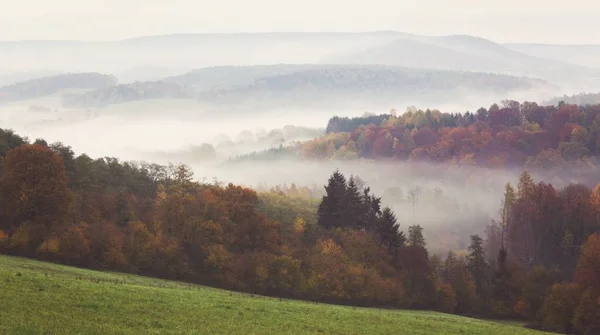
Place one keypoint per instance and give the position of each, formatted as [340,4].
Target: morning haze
[434,106]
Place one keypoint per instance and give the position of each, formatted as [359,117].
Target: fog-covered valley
[204,100]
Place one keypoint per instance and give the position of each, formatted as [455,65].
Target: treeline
[36,88]
[549,139]
[539,262]
[116,94]
[542,257]
[576,99]
[345,124]
[376,82]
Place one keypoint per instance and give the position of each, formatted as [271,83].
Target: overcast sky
[544,21]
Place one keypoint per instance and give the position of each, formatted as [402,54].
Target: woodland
[539,261]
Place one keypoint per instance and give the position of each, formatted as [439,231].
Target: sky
[539,21]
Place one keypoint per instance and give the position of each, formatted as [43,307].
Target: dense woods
[538,261]
[557,141]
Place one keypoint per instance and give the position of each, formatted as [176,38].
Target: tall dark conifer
[353,206]
[332,206]
[388,231]
[371,210]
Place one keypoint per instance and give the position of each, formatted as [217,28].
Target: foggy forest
[389,170]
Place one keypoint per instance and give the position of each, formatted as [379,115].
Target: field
[45,298]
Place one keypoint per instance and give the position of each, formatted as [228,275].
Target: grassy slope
[44,298]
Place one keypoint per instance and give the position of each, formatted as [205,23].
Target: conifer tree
[477,264]
[353,206]
[371,210]
[388,231]
[332,206]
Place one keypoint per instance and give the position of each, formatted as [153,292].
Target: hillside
[39,87]
[309,83]
[466,53]
[193,51]
[585,55]
[123,93]
[350,248]
[38,298]
[374,83]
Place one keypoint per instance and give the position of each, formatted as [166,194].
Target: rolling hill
[585,55]
[467,53]
[39,87]
[40,298]
[309,84]
[165,53]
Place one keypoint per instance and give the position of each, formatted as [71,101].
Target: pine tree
[332,206]
[477,264]
[503,288]
[388,231]
[353,206]
[371,210]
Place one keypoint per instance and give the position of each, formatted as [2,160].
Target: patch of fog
[141,129]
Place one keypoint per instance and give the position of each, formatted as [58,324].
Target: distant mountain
[147,73]
[312,83]
[123,93]
[585,55]
[468,53]
[374,82]
[127,58]
[225,77]
[188,51]
[40,87]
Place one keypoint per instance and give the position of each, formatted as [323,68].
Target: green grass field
[45,298]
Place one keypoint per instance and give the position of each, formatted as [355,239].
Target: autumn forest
[538,260]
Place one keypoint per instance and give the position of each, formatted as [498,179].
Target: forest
[538,262]
[559,142]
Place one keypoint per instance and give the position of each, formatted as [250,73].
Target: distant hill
[372,82]
[467,53]
[585,55]
[193,51]
[123,93]
[40,87]
[225,77]
[307,84]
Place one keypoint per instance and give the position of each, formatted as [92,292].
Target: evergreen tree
[371,210]
[388,231]
[504,290]
[477,264]
[332,206]
[353,206]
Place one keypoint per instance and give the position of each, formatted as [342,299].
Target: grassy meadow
[44,298]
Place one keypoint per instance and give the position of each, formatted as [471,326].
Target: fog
[223,113]
[449,203]
[155,128]
[205,137]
